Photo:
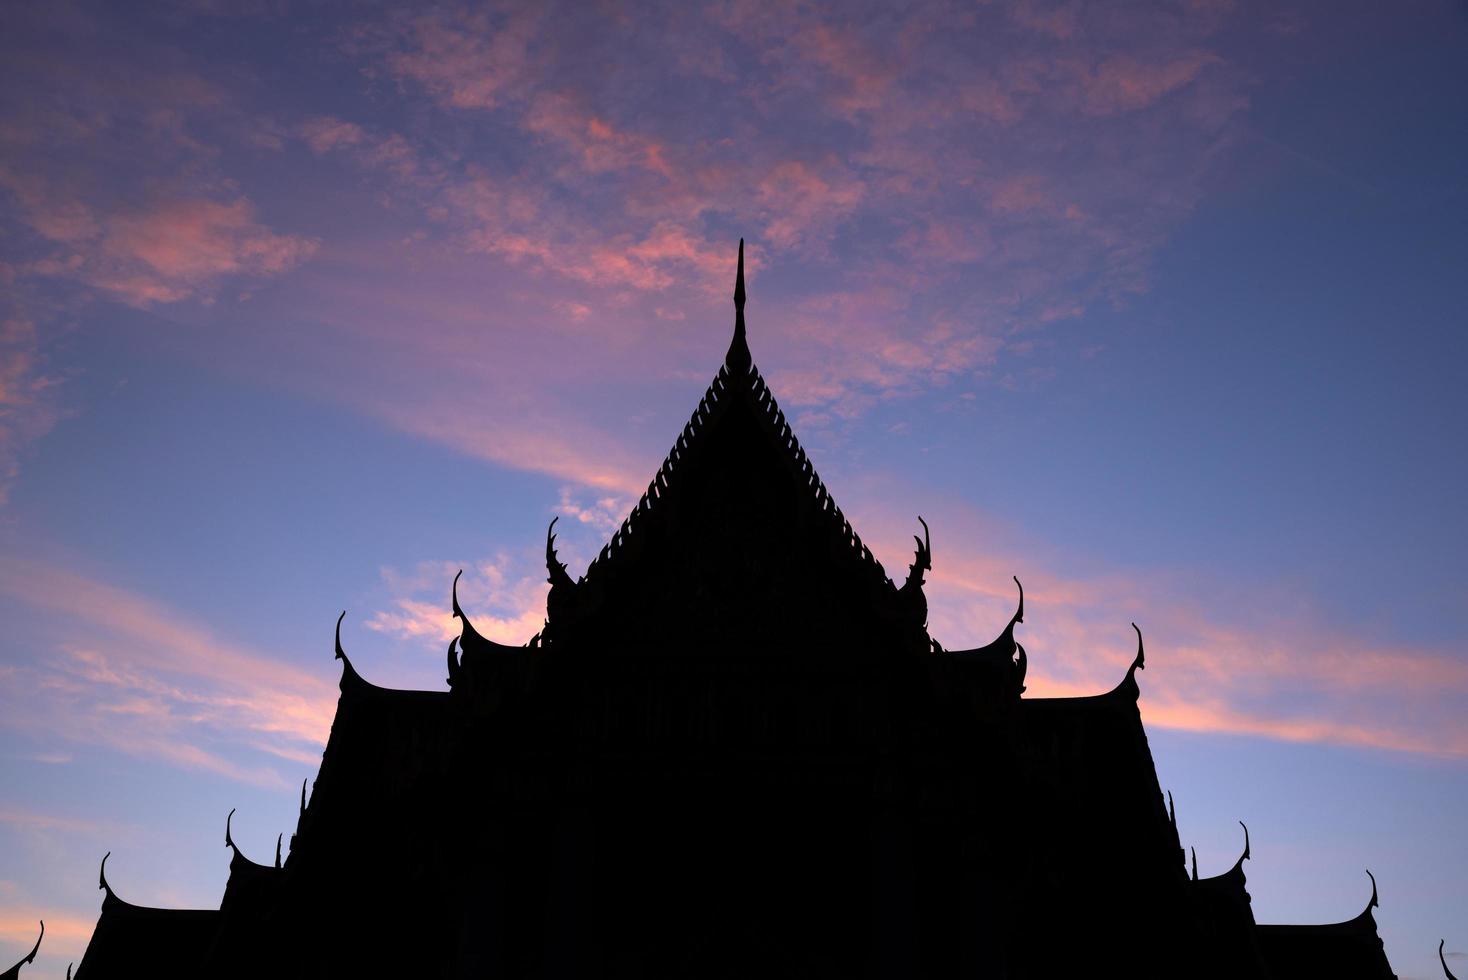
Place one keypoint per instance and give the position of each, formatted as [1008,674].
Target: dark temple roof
[1349,950]
[733,750]
[736,547]
[137,941]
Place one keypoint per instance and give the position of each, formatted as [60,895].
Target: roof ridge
[715,398]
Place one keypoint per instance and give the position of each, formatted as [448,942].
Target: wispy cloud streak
[158,685]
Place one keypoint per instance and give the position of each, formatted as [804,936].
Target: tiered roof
[735,652]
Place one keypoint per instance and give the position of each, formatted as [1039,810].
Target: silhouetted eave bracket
[1002,649]
[1232,881]
[1363,923]
[239,862]
[354,684]
[14,972]
[1125,694]
[471,641]
[111,901]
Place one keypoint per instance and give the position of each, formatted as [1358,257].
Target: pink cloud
[600,145]
[802,200]
[324,134]
[560,448]
[1289,676]
[1022,192]
[1124,83]
[466,59]
[34,820]
[179,247]
[504,598]
[174,250]
[165,687]
[1060,21]
[29,407]
[67,932]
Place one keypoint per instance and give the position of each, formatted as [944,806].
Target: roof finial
[738,360]
[278,839]
[467,631]
[554,567]
[1195,862]
[30,957]
[350,677]
[1444,960]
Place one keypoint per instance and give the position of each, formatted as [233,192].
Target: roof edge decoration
[14,972]
[1363,921]
[1232,878]
[353,683]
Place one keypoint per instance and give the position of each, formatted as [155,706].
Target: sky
[1158,306]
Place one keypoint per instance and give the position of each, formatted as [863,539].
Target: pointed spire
[303,797]
[739,282]
[738,360]
[278,839]
[1195,862]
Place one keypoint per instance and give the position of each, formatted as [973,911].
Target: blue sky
[1157,306]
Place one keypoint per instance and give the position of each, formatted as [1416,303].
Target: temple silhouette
[734,750]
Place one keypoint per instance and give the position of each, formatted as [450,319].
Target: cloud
[1286,675]
[942,187]
[180,249]
[67,933]
[29,403]
[165,687]
[171,250]
[503,597]
[979,176]
[559,448]
[324,134]
[465,59]
[35,820]
[1123,83]
[598,145]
